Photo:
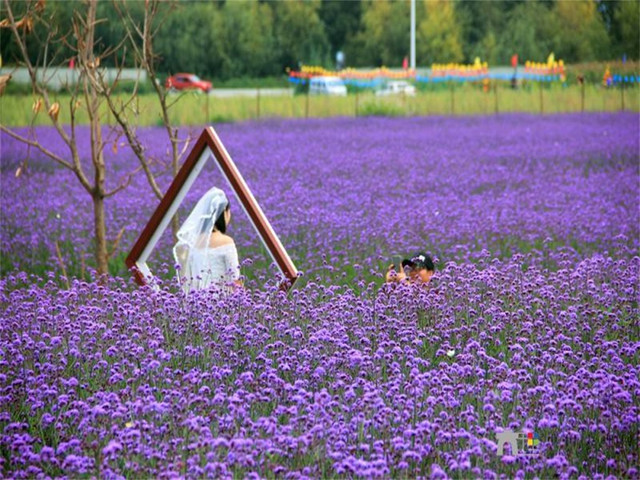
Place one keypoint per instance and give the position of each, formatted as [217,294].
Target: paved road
[60,77]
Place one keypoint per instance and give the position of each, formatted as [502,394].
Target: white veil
[196,230]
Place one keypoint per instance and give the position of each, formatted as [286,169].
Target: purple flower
[112,448]
[536,289]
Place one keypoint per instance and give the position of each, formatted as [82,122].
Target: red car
[186,81]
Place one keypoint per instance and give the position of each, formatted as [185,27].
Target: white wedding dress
[212,267]
[198,265]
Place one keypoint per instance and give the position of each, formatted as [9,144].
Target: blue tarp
[375,82]
[491,76]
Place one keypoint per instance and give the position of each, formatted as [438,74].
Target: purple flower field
[530,324]
[350,191]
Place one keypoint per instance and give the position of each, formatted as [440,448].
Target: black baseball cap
[420,261]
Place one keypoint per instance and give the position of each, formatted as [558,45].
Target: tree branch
[37,145]
[135,144]
[30,68]
[124,184]
[116,242]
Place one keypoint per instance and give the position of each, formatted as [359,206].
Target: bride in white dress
[206,255]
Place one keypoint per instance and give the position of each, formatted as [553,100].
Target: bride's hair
[219,224]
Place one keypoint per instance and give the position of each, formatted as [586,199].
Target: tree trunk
[97,194]
[97,158]
[102,256]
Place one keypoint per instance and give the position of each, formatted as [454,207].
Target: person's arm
[393,275]
[233,266]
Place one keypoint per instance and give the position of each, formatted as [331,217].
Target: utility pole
[413,34]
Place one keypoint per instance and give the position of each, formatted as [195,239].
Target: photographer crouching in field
[420,268]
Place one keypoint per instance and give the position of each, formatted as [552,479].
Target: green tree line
[257,38]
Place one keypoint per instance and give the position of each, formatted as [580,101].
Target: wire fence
[441,99]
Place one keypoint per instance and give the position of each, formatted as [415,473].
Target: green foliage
[481,24]
[579,31]
[380,109]
[301,88]
[439,34]
[299,34]
[383,39]
[341,22]
[14,88]
[257,45]
[186,38]
[628,19]
[527,33]
[226,40]
[221,118]
[58,13]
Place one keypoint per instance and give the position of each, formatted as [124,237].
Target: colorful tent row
[309,71]
[373,83]
[544,68]
[478,71]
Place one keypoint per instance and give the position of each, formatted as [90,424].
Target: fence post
[426,102]
[453,100]
[495,95]
[258,104]
[357,98]
[541,99]
[622,93]
[485,100]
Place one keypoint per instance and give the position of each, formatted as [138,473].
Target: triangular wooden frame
[208,145]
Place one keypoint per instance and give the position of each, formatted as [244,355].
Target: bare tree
[140,35]
[83,96]
[91,91]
